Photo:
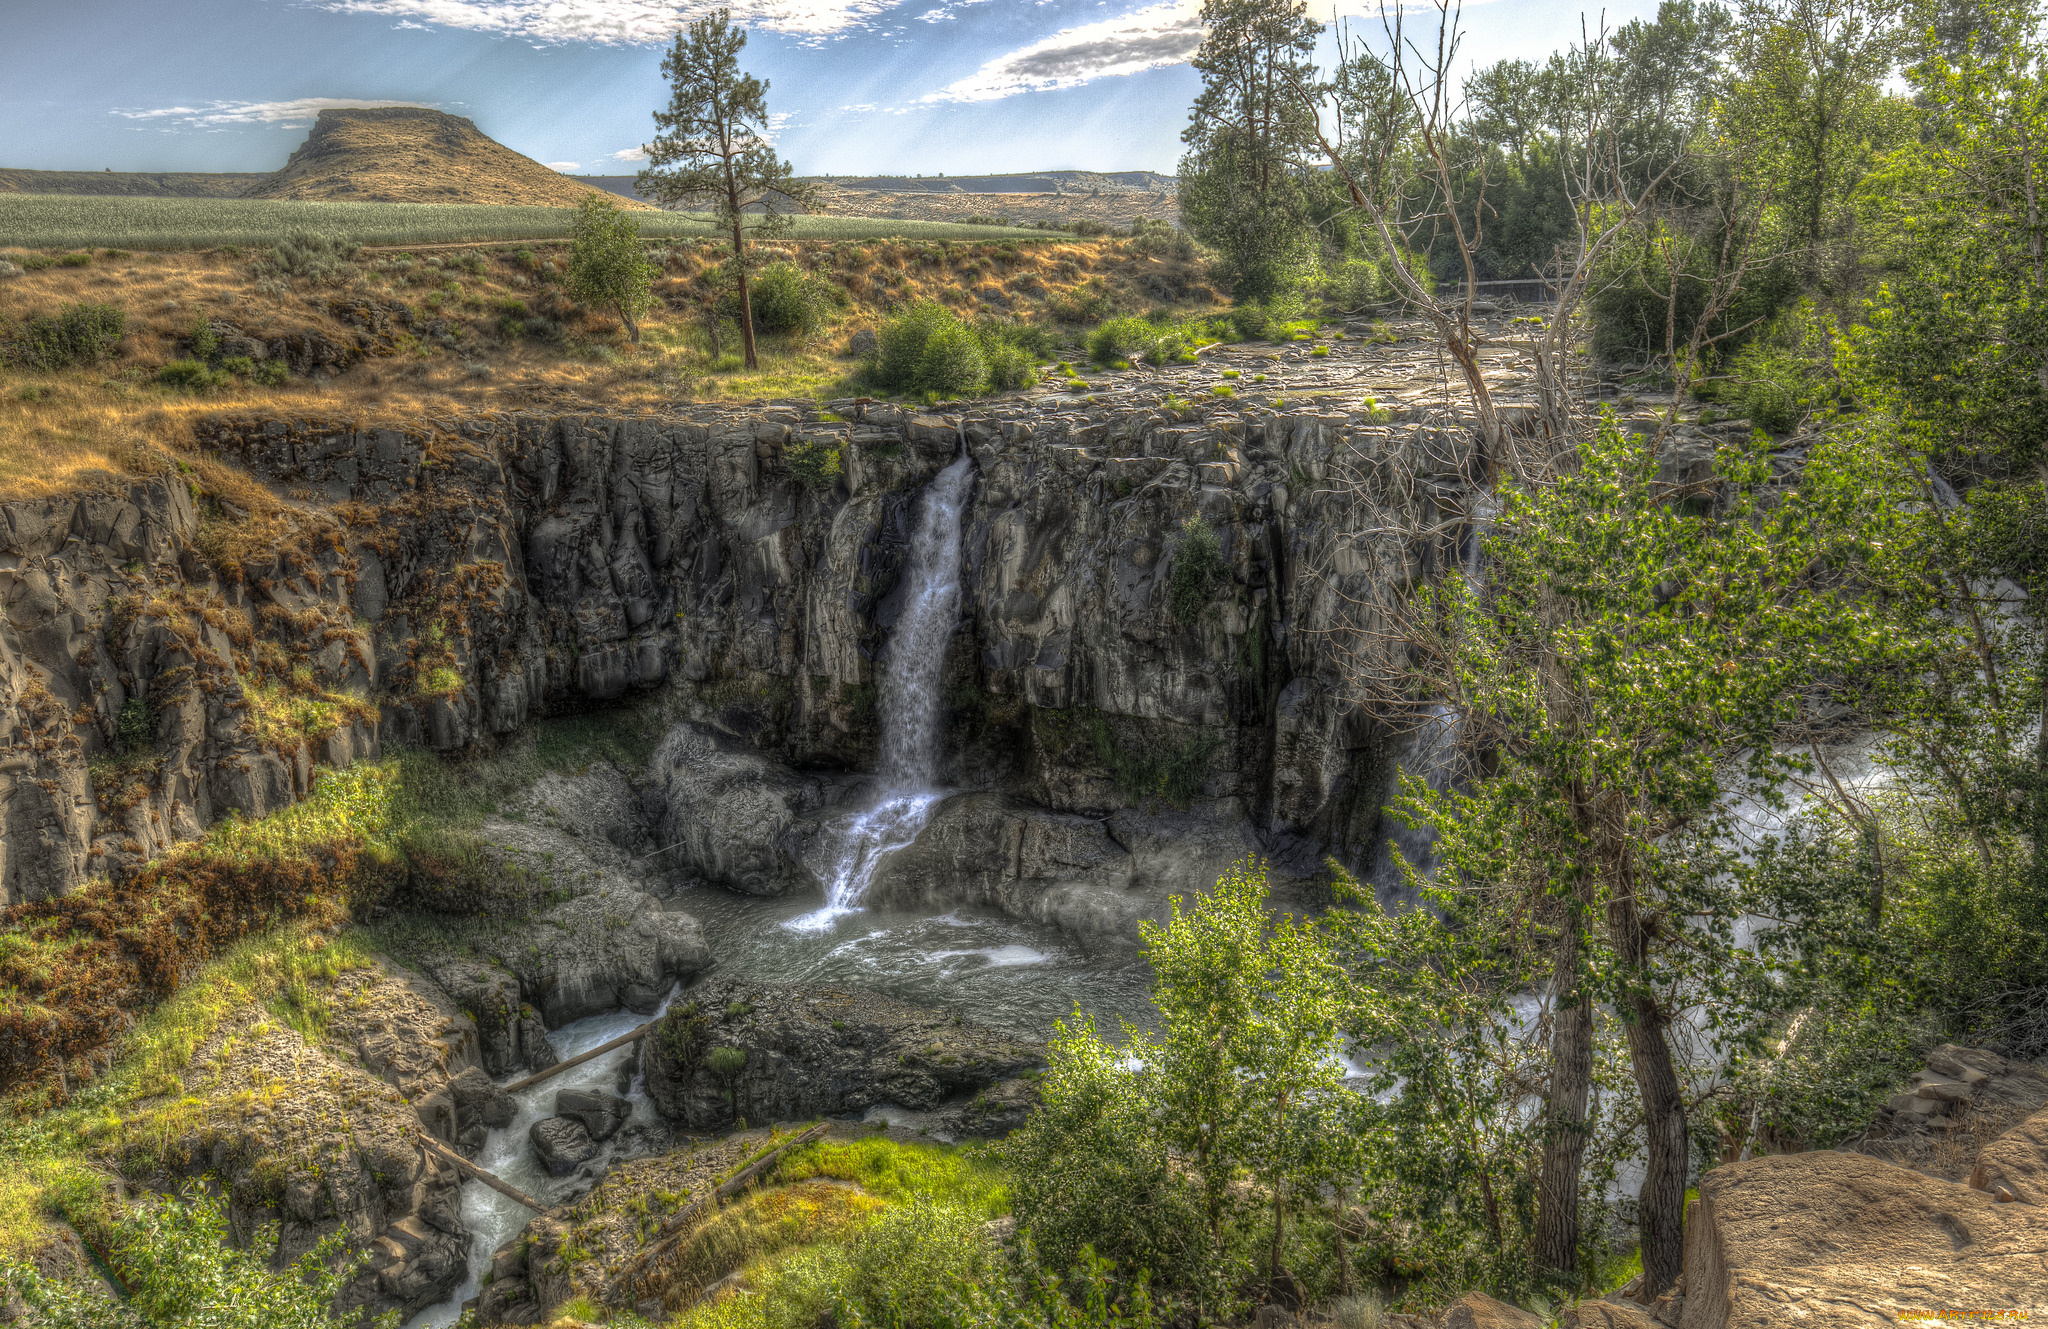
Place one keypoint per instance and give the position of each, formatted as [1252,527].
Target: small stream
[492,1218]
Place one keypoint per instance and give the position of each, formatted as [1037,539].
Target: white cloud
[295,114]
[563,167]
[630,155]
[1149,38]
[618,21]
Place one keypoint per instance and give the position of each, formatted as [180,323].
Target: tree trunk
[739,263]
[1564,1137]
[1661,1202]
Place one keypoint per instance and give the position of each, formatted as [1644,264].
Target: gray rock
[600,1114]
[727,813]
[562,1144]
[479,1101]
[814,1051]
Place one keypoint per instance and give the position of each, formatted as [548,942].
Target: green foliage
[608,266]
[80,334]
[1138,1151]
[193,376]
[312,256]
[927,350]
[815,462]
[1198,567]
[135,726]
[787,299]
[182,1272]
[1170,775]
[951,363]
[961,1179]
[1156,341]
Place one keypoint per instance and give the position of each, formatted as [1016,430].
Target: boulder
[1476,1310]
[814,1051]
[1839,1239]
[479,1101]
[600,1114]
[2014,1167]
[727,813]
[561,1144]
[1607,1313]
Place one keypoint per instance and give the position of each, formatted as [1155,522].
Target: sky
[856,86]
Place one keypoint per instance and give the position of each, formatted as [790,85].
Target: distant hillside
[1117,198]
[1077,184]
[408,154]
[129,184]
[1034,182]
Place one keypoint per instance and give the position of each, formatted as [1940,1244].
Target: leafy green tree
[1809,76]
[1622,652]
[1138,1152]
[607,266]
[1245,186]
[714,147]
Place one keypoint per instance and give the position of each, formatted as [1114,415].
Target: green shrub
[193,376]
[1158,343]
[1086,303]
[1776,387]
[785,298]
[134,727]
[273,373]
[180,1268]
[952,364]
[241,366]
[81,334]
[1353,284]
[311,256]
[1197,567]
[815,462]
[75,261]
[1009,368]
[1158,239]
[900,344]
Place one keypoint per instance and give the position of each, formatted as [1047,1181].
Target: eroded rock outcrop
[324,1137]
[770,1052]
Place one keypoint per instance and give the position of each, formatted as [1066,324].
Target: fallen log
[580,1058]
[504,1188]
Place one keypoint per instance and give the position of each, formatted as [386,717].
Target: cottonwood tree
[1620,656]
[607,266]
[714,147]
[1245,184]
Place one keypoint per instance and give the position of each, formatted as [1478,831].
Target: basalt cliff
[1116,731]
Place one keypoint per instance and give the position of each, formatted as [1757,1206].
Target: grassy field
[71,221]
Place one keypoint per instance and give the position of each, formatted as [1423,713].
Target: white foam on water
[996,957]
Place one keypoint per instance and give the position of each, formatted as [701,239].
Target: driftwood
[580,1058]
[677,1226]
[447,1155]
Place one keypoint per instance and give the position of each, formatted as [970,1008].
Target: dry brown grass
[62,430]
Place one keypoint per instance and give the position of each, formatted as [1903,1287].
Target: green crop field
[74,221]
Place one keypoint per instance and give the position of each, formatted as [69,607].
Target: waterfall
[910,704]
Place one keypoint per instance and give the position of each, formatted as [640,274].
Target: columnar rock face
[456,580]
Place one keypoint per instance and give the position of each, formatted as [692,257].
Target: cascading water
[909,704]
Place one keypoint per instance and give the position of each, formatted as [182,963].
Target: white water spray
[910,704]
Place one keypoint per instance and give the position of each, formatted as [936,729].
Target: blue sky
[858,86]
